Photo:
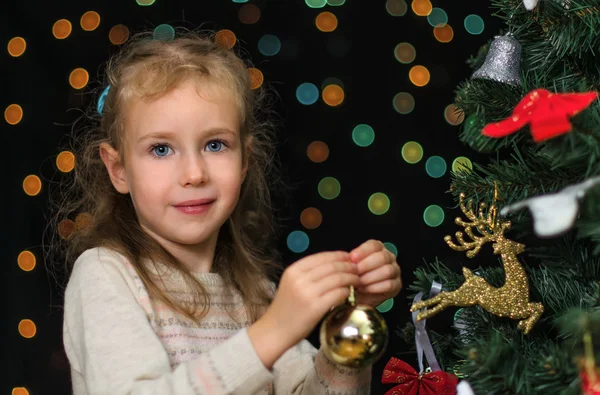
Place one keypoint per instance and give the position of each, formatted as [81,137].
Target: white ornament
[554,213]
[464,388]
[530,4]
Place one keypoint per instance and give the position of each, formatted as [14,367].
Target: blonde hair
[146,69]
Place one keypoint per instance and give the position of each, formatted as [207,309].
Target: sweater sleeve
[113,349]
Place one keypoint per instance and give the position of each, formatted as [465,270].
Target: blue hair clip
[101,99]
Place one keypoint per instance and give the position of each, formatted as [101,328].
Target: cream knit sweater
[119,342]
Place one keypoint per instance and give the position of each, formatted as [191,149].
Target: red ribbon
[411,383]
[547,113]
[589,387]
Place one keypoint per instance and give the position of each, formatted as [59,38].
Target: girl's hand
[379,273]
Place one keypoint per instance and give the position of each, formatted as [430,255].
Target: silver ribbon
[421,337]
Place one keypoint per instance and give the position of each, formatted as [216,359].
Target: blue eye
[161,150]
[215,146]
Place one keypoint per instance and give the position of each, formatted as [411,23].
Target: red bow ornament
[589,386]
[547,113]
[411,383]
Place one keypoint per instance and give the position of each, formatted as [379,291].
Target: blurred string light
[269,45]
[405,53]
[16,46]
[13,114]
[62,29]
[419,75]
[396,7]
[65,228]
[307,93]
[474,24]
[363,135]
[421,7]
[379,203]
[433,215]
[462,163]
[79,78]
[453,115]
[256,78]
[391,247]
[437,17]
[145,3]
[435,166]
[90,21]
[27,328]
[412,152]
[164,32]
[317,152]
[20,391]
[326,21]
[386,306]
[316,3]
[333,95]
[329,188]
[443,34]
[118,34]
[404,103]
[26,261]
[298,241]
[82,220]
[311,218]
[32,185]
[65,161]
[226,38]
[249,14]
[336,3]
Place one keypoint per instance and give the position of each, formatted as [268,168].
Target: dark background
[39,82]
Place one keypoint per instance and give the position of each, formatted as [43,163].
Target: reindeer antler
[487,225]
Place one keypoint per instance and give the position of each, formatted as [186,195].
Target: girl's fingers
[335,280]
[365,249]
[384,272]
[385,287]
[329,268]
[375,260]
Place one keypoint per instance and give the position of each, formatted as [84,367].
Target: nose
[194,171]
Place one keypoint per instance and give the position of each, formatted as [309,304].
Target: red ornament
[587,387]
[547,113]
[411,383]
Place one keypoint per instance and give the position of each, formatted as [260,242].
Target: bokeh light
[396,7]
[145,3]
[269,45]
[118,34]
[298,241]
[421,7]
[462,164]
[20,391]
[32,185]
[26,261]
[474,24]
[27,328]
[386,306]
[433,215]
[329,188]
[437,17]
[90,21]
[66,227]
[65,161]
[13,114]
[16,46]
[226,38]
[79,78]
[240,1]
[336,3]
[62,29]
[379,203]
[412,152]
[82,220]
[363,135]
[256,78]
[311,218]
[419,75]
[307,93]
[326,22]
[404,103]
[317,151]
[405,53]
[164,32]
[316,3]
[443,34]
[453,115]
[249,14]
[333,95]
[391,247]
[436,166]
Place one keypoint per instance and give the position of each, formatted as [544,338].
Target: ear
[115,169]
[247,151]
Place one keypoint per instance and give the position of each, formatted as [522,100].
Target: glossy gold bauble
[353,335]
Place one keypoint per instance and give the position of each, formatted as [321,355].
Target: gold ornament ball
[354,335]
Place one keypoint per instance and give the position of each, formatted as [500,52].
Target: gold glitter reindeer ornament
[512,299]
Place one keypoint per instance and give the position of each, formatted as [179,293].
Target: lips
[194,207]
[191,203]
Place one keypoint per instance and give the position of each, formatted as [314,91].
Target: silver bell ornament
[502,62]
[353,335]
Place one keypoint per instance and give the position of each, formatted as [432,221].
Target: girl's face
[183,163]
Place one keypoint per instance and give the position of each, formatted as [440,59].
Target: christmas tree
[527,310]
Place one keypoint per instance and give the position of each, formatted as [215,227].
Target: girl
[172,185]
